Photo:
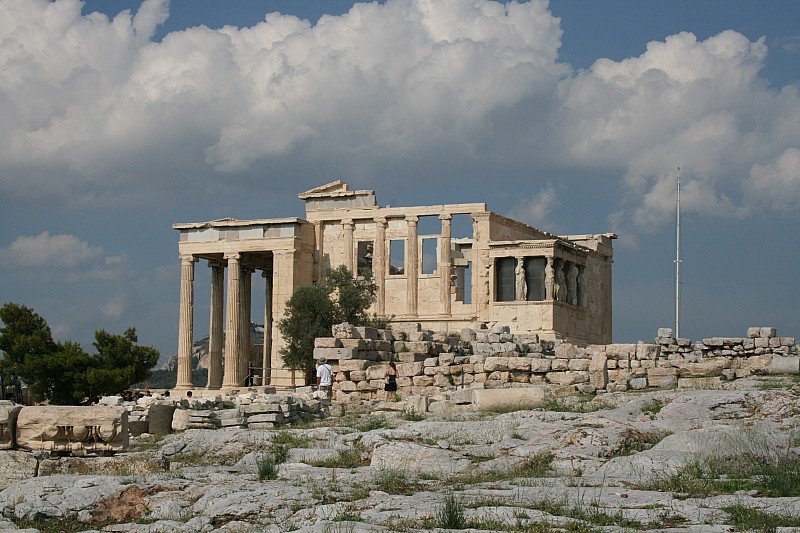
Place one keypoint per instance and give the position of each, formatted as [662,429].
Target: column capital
[445,216]
[188,258]
[412,219]
[266,273]
[232,255]
[380,221]
[347,222]
[216,263]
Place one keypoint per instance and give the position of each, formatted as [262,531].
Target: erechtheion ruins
[500,271]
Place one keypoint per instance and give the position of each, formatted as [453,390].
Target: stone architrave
[73,429]
[8,424]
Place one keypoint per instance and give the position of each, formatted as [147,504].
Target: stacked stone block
[430,363]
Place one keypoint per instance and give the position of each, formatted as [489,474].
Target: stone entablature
[431,364]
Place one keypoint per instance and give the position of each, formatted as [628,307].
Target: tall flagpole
[678,260]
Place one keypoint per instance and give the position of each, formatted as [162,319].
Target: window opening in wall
[464,283]
[364,257]
[397,257]
[461,227]
[429,225]
[429,255]
[505,279]
[534,278]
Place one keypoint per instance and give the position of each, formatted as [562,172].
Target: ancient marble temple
[444,266]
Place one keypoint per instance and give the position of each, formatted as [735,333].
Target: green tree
[62,372]
[310,313]
[119,362]
[58,376]
[314,309]
[24,336]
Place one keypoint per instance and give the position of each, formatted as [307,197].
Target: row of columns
[232,369]
[379,266]
[563,280]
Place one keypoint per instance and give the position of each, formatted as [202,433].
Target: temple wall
[431,364]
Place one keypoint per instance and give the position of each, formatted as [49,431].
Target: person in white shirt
[324,377]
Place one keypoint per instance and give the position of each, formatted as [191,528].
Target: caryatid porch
[272,247]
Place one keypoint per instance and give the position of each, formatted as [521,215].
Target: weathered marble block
[73,429]
[8,424]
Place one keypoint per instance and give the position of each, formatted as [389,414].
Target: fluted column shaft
[348,244]
[379,264]
[185,323]
[266,354]
[445,263]
[319,236]
[245,299]
[412,268]
[215,325]
[233,309]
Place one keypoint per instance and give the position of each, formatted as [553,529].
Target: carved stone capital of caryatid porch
[73,429]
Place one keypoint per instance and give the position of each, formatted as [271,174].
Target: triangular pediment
[337,186]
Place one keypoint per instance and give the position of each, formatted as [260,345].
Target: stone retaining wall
[430,363]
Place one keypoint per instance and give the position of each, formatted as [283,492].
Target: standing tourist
[390,381]
[325,377]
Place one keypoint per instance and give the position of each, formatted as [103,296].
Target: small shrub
[370,423]
[637,441]
[652,407]
[574,404]
[451,513]
[412,416]
[749,519]
[347,458]
[267,467]
[394,481]
[347,513]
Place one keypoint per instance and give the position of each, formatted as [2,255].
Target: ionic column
[185,323]
[215,325]
[412,268]
[348,244]
[266,354]
[245,299]
[379,264]
[233,328]
[445,266]
[318,250]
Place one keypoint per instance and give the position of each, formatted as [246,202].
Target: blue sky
[571,116]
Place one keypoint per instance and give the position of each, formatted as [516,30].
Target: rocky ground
[678,460]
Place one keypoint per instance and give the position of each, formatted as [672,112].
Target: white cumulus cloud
[51,251]
[536,210]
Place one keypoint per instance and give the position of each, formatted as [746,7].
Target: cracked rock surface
[678,460]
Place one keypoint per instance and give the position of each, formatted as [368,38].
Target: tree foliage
[314,309]
[62,372]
